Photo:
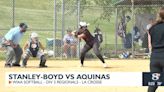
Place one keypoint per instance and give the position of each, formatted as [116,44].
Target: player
[32,48]
[91,42]
[156,43]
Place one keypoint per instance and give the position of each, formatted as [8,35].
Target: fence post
[133,54]
[116,27]
[13,14]
[63,22]
[55,29]
[78,20]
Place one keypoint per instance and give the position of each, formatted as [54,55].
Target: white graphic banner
[73,79]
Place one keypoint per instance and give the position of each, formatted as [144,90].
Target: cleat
[105,65]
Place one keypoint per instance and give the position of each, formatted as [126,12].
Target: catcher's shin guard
[24,62]
[42,61]
[25,59]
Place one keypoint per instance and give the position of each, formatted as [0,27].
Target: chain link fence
[51,19]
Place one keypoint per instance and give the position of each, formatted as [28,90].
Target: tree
[108,10]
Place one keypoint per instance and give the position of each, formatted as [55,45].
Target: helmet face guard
[34,37]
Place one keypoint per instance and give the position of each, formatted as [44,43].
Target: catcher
[31,48]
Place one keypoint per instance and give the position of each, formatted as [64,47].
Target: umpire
[156,42]
[11,43]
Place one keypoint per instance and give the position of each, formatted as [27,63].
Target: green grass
[38,14]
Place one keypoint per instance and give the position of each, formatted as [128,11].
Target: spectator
[98,35]
[145,40]
[69,44]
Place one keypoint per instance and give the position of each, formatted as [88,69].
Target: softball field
[72,66]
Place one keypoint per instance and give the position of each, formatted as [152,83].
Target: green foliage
[39,15]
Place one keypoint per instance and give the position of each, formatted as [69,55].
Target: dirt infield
[72,66]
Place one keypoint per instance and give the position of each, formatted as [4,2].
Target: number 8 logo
[155,76]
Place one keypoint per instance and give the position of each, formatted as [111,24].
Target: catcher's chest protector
[34,48]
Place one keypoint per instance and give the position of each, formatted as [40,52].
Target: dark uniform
[91,42]
[157,55]
[98,35]
[33,50]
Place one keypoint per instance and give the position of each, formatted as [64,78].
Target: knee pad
[25,56]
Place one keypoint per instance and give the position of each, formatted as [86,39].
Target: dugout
[133,5]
